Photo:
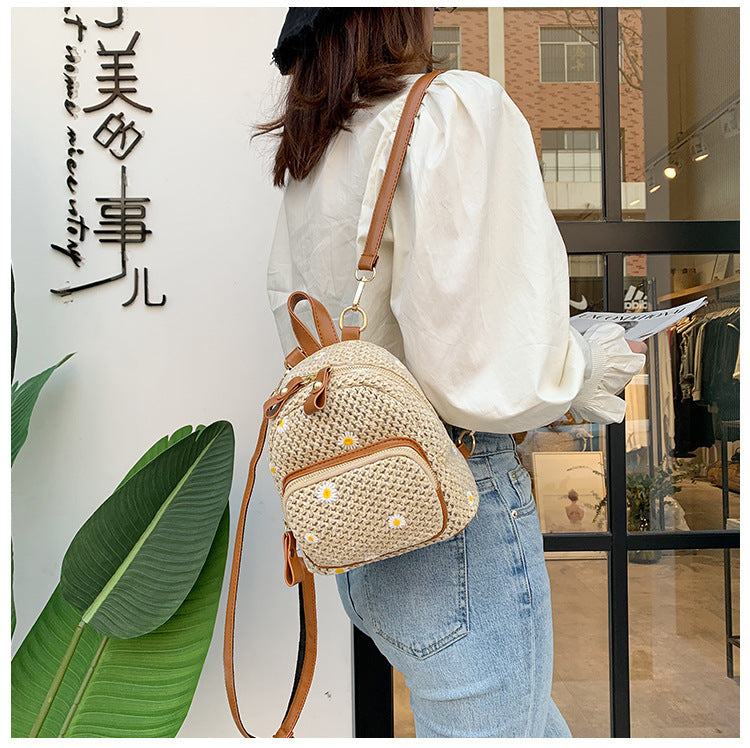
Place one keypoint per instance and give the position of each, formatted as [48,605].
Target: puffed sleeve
[480,284]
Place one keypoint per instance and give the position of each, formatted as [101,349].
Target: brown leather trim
[308,664]
[395,441]
[369,257]
[293,564]
[273,404]
[307,671]
[323,324]
[350,332]
[229,621]
[295,357]
[316,400]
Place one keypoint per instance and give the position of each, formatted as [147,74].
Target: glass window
[566,460]
[682,417]
[679,106]
[526,50]
[568,53]
[571,155]
[446,44]
[580,685]
[682,683]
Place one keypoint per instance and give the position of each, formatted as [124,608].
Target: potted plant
[641,489]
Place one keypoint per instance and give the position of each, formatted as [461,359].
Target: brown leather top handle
[369,257]
[307,342]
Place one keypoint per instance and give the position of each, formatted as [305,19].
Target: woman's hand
[637,346]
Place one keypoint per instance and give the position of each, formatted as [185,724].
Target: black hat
[298,34]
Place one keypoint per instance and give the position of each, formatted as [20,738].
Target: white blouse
[471,289]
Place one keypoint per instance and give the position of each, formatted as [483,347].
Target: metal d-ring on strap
[357,296]
[460,440]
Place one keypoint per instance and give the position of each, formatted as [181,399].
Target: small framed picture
[570,491]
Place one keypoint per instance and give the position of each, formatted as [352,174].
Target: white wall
[138,373]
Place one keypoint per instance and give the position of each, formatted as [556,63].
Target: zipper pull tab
[272,405]
[317,399]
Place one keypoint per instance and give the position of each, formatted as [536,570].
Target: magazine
[640,325]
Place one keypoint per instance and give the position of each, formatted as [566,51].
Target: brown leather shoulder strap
[369,257]
[308,619]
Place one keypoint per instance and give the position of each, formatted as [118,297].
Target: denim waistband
[486,441]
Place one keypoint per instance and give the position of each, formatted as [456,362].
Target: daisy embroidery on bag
[281,425]
[273,470]
[397,520]
[348,440]
[326,492]
[470,497]
[310,538]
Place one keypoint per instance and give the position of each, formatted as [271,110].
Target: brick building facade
[559,105]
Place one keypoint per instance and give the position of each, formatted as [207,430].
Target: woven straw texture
[382,507]
[370,396]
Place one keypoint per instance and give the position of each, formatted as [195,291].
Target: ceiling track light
[651,185]
[697,150]
[730,122]
[673,169]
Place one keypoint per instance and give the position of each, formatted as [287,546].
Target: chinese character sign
[113,124]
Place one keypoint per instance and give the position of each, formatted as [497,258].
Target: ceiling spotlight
[730,122]
[652,186]
[670,172]
[697,150]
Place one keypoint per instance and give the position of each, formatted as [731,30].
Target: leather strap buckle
[354,308]
[462,448]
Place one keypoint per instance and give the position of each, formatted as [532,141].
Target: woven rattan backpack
[364,465]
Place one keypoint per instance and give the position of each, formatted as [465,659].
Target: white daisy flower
[348,440]
[400,365]
[397,520]
[326,492]
[319,354]
[273,470]
[310,538]
[280,424]
[470,497]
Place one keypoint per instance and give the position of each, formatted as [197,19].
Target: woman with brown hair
[472,295]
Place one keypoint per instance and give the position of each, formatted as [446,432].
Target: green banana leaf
[22,401]
[140,687]
[159,447]
[133,562]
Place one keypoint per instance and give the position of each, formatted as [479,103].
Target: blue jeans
[468,620]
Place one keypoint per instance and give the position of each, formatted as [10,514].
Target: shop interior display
[678,407]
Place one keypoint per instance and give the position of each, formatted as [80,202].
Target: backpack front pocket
[369,503]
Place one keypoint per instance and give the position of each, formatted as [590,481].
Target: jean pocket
[418,601]
[521,481]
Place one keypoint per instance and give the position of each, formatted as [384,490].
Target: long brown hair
[358,56]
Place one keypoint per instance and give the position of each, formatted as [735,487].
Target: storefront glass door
[635,115]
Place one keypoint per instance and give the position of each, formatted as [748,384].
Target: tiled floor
[679,683]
